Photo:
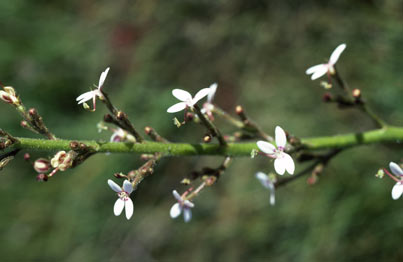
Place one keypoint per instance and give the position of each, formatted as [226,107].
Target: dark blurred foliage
[258,51]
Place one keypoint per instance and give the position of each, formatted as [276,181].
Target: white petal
[175,211]
[182,95]
[187,214]
[264,179]
[129,208]
[266,147]
[289,163]
[279,165]
[118,207]
[336,54]
[187,203]
[313,69]
[397,190]
[202,93]
[395,168]
[176,195]
[272,197]
[320,72]
[127,186]
[85,97]
[213,89]
[115,187]
[102,78]
[177,107]
[281,138]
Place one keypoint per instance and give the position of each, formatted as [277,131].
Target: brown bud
[32,112]
[74,145]
[189,116]
[207,139]
[108,118]
[356,93]
[41,178]
[148,130]
[327,97]
[238,110]
[27,156]
[121,115]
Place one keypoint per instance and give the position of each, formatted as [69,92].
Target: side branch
[389,134]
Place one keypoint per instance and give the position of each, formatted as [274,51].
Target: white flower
[186,98]
[269,184]
[283,161]
[94,93]
[120,135]
[397,189]
[320,70]
[182,205]
[124,200]
[208,106]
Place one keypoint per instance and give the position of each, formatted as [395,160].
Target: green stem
[387,134]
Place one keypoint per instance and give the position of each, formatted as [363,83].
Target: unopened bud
[356,93]
[238,110]
[312,179]
[119,175]
[32,112]
[74,145]
[27,156]
[148,130]
[42,178]
[42,165]
[121,115]
[24,124]
[9,99]
[327,97]
[189,116]
[86,106]
[108,118]
[207,139]
[10,90]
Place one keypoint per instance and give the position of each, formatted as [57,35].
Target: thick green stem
[388,134]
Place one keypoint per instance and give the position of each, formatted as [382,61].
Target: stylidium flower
[397,189]
[9,96]
[320,70]
[268,183]
[283,161]
[123,201]
[208,106]
[187,101]
[182,205]
[94,93]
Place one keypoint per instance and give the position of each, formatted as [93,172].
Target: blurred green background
[257,51]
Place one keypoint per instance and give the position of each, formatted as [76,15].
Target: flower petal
[187,203]
[118,207]
[313,69]
[272,196]
[182,95]
[336,54]
[177,107]
[213,89]
[127,186]
[281,138]
[266,147]
[115,187]
[85,97]
[128,208]
[321,71]
[202,93]
[397,190]
[289,163]
[395,168]
[264,179]
[280,165]
[175,211]
[187,214]
[102,78]
[176,195]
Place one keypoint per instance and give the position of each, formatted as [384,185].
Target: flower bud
[189,116]
[108,118]
[121,115]
[62,161]
[41,178]
[24,124]
[74,145]
[207,139]
[9,99]
[356,93]
[148,130]
[42,165]
[32,112]
[238,110]
[10,90]
[27,156]
[327,97]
